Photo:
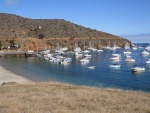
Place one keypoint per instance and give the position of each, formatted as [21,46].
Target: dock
[17,54]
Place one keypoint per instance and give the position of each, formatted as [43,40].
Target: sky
[118,17]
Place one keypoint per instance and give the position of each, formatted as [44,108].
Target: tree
[12,42]
[0,45]
[41,36]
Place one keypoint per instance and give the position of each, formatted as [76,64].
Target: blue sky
[118,17]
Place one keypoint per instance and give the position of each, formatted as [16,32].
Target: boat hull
[114,66]
[137,69]
[91,67]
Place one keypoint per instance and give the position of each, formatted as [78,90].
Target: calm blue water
[38,70]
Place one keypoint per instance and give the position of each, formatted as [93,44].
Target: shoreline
[7,76]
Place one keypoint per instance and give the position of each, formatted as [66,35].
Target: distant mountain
[140,38]
[52,31]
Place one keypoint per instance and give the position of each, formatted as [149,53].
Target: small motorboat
[116,55]
[144,52]
[78,54]
[127,52]
[84,60]
[100,50]
[129,59]
[148,48]
[91,67]
[94,49]
[85,51]
[87,55]
[127,56]
[137,68]
[115,58]
[115,65]
[134,48]
[148,61]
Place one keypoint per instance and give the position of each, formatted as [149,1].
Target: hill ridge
[17,27]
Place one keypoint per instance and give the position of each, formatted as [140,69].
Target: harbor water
[77,73]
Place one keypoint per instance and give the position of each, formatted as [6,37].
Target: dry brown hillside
[50,32]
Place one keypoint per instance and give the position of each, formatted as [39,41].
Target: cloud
[11,2]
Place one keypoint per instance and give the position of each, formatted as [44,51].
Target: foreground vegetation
[63,98]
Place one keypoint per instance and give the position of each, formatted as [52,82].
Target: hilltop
[47,33]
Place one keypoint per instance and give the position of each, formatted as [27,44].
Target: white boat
[78,54]
[94,49]
[137,68]
[64,49]
[107,47]
[59,51]
[113,48]
[134,48]
[129,59]
[100,50]
[91,67]
[38,55]
[140,46]
[47,55]
[68,59]
[65,60]
[87,55]
[148,47]
[127,52]
[84,60]
[77,49]
[115,65]
[85,51]
[144,52]
[46,52]
[115,58]
[127,45]
[115,55]
[148,61]
[127,56]
[55,60]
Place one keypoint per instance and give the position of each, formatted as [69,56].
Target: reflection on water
[145,55]
[138,73]
[116,68]
[148,65]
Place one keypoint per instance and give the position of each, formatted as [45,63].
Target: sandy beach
[7,76]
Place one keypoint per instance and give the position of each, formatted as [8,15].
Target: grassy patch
[63,98]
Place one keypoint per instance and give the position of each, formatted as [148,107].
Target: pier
[17,54]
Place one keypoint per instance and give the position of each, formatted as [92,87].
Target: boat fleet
[62,56]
